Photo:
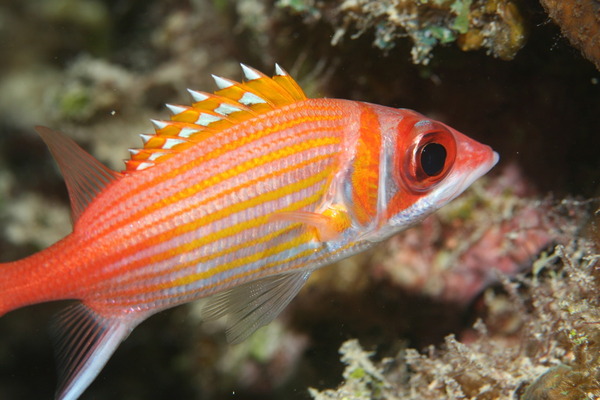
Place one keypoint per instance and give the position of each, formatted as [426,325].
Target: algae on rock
[494,25]
[550,351]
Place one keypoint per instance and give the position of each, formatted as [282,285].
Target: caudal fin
[85,340]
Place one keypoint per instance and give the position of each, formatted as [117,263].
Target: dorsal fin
[233,103]
[84,176]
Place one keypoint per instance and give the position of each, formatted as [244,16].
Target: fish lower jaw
[463,179]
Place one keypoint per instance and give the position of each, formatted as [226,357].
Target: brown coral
[552,352]
[579,21]
[493,25]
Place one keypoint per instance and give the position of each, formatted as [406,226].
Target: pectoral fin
[254,304]
[329,224]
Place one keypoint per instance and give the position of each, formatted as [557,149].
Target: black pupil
[433,158]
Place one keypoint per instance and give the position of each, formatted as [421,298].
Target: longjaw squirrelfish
[235,200]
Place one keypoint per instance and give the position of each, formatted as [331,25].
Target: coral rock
[579,21]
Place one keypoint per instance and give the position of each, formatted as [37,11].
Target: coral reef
[549,350]
[459,251]
[363,379]
[579,21]
[495,25]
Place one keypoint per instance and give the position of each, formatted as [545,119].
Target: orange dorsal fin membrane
[233,103]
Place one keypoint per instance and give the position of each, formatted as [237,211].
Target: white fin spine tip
[249,99]
[153,156]
[198,96]
[146,138]
[187,132]
[170,143]
[250,73]
[174,109]
[231,103]
[205,119]
[158,125]
[144,165]
[222,83]
[226,109]
[280,71]
[134,152]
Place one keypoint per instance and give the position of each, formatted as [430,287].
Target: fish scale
[227,209]
[235,200]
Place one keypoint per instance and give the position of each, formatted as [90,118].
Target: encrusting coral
[455,254]
[495,25]
[539,340]
[579,21]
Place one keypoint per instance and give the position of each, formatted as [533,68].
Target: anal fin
[84,341]
[254,304]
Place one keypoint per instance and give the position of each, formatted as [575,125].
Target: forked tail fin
[85,340]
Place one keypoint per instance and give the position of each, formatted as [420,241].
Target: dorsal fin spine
[226,109]
[249,99]
[146,137]
[158,124]
[205,119]
[176,109]
[223,83]
[280,71]
[198,96]
[187,132]
[210,113]
[172,142]
[250,73]
[238,91]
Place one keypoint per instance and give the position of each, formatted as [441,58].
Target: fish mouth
[496,158]
[472,175]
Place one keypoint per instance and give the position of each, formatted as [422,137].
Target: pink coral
[456,253]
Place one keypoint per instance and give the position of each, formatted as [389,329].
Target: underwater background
[493,297]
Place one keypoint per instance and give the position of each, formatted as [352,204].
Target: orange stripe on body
[232,249]
[187,192]
[202,222]
[244,167]
[245,132]
[228,231]
[314,262]
[156,291]
[365,171]
[120,209]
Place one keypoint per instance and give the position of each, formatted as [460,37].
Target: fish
[234,201]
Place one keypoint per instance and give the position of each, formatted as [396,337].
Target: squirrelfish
[236,200]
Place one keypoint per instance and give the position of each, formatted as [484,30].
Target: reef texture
[495,25]
[496,228]
[540,340]
[579,21]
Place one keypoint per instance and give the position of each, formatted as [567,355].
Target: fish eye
[428,159]
[432,158]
